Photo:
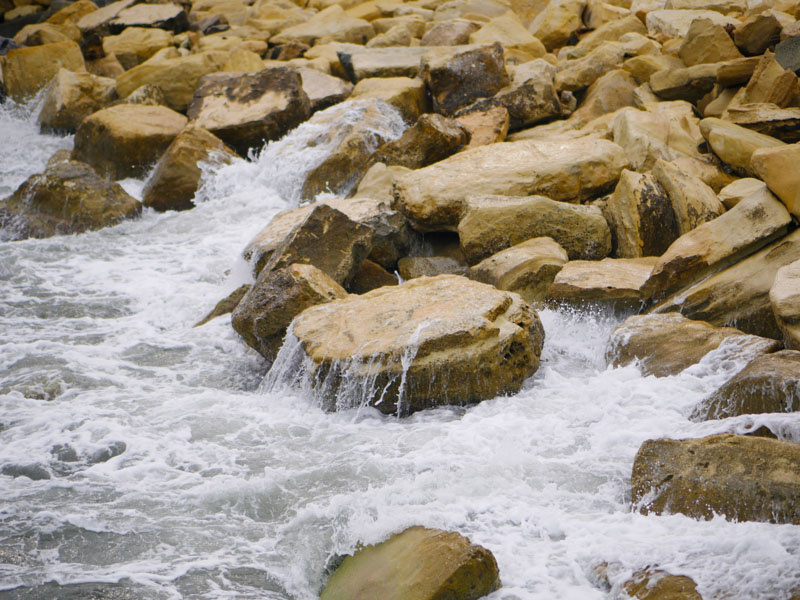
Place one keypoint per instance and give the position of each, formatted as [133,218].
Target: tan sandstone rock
[431,139]
[777,167]
[693,202]
[738,190]
[651,584]
[411,267]
[136,44]
[485,127]
[734,144]
[784,295]
[407,95]
[558,22]
[28,70]
[707,42]
[576,75]
[71,97]
[331,25]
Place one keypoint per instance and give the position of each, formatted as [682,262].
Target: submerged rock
[660,585]
[430,342]
[419,563]
[69,197]
[742,478]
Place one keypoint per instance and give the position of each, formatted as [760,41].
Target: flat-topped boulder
[429,342]
[735,144]
[246,110]
[331,24]
[69,197]
[127,139]
[675,23]
[611,282]
[136,44]
[323,90]
[526,268]
[419,563]
[27,70]
[433,197]
[666,344]
[741,477]
[777,167]
[431,139]
[769,119]
[70,97]
[768,384]
[784,296]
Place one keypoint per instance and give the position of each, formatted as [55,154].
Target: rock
[676,23]
[611,32]
[71,97]
[457,81]
[177,77]
[136,44]
[509,31]
[771,83]
[666,344]
[428,342]
[492,223]
[28,70]
[609,93]
[734,144]
[693,202]
[352,143]
[455,32]
[370,276]
[414,24]
[47,33]
[784,296]
[323,90]
[108,66]
[776,166]
[740,189]
[327,239]
[227,305]
[396,36]
[425,563]
[412,267]
[640,216]
[769,119]
[433,197]
[753,223]
[757,33]
[69,197]
[72,12]
[485,127]
[690,84]
[645,66]
[736,72]
[529,99]
[659,585]
[245,110]
[739,294]
[392,237]
[740,477]
[126,140]
[483,10]
[407,95]
[787,53]
[331,25]
[277,297]
[576,75]
[360,63]
[431,139]
[612,282]
[526,268]
[95,22]
[558,23]
[768,384]
[648,136]
[162,16]
[378,181]
[176,176]
[707,42]
[148,94]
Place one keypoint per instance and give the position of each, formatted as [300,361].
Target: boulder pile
[501,155]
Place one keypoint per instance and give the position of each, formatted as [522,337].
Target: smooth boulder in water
[432,341]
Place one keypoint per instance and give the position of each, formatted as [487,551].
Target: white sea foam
[222,491]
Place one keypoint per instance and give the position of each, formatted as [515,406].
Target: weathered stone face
[767,384]
[431,139]
[429,342]
[331,24]
[136,44]
[743,478]
[784,296]
[426,564]
[163,16]
[69,197]
[412,267]
[277,297]
[126,140]
[71,97]
[777,167]
[245,110]
[693,202]
[486,127]
[769,119]
[707,42]
[669,343]
[407,95]
[660,585]
[579,74]
[734,144]
[27,70]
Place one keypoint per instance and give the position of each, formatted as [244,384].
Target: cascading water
[140,457]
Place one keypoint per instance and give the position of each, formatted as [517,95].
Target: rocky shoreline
[637,155]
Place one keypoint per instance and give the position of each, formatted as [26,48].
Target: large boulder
[707,42]
[407,95]
[69,197]
[734,144]
[136,44]
[675,23]
[577,75]
[509,31]
[245,110]
[640,216]
[174,180]
[769,119]
[71,97]
[277,297]
[611,282]
[747,227]
[431,139]
[742,478]
[526,268]
[492,223]
[162,16]
[456,81]
[28,70]
[667,344]
[323,90]
[352,142]
[784,296]
[558,23]
[433,197]
[652,584]
[693,202]
[777,167]
[738,295]
[419,563]
[126,140]
[768,384]
[360,63]
[431,341]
